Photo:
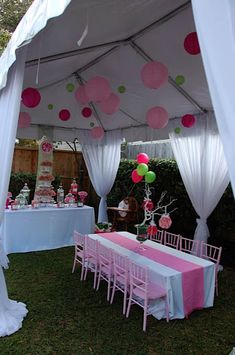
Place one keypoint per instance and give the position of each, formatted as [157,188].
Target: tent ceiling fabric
[121,24]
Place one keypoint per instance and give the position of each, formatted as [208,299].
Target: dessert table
[45,228]
[188,279]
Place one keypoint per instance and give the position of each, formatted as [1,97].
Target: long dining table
[188,279]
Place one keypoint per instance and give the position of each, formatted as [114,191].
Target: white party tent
[61,44]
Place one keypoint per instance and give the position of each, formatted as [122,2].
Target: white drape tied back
[200,158]
[102,158]
[12,313]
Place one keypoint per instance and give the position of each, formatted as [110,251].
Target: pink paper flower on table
[83,195]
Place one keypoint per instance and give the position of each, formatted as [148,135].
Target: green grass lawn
[67,316]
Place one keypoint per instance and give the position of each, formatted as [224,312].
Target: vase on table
[141,235]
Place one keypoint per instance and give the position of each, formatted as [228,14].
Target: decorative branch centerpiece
[148,227]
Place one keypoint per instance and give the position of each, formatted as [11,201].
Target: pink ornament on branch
[165,221]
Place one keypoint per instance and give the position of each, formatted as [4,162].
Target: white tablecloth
[45,228]
[168,277]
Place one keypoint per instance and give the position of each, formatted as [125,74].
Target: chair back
[211,252]
[104,256]
[91,247]
[172,240]
[79,239]
[120,265]
[158,237]
[189,245]
[138,276]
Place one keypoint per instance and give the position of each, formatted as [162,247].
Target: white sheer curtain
[102,159]
[199,155]
[215,24]
[11,312]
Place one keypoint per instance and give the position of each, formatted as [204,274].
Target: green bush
[221,221]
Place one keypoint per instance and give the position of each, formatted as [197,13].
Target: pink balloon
[97,133]
[30,97]
[24,120]
[142,158]
[97,89]
[135,177]
[81,96]
[157,117]
[110,105]
[64,115]
[154,74]
[188,120]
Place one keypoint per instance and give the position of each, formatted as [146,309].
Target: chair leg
[129,304]
[124,302]
[74,265]
[216,285]
[82,271]
[145,316]
[113,291]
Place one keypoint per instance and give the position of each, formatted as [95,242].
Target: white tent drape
[102,161]
[200,158]
[215,24]
[11,312]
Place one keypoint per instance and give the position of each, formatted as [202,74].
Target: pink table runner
[192,274]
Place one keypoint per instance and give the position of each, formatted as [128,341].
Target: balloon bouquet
[145,230]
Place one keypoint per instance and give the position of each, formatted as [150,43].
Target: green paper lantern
[179,79]
[70,87]
[177,130]
[150,177]
[92,124]
[50,107]
[142,169]
[121,89]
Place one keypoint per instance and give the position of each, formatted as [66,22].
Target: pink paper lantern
[188,120]
[191,44]
[154,74]
[157,117]
[135,177]
[165,221]
[86,112]
[97,89]
[142,158]
[81,96]
[64,115]
[24,120]
[97,133]
[111,104]
[30,97]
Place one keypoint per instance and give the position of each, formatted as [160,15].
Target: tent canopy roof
[122,36]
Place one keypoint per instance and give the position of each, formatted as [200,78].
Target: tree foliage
[11,12]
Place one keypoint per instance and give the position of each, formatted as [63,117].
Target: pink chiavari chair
[120,277]
[212,253]
[79,254]
[171,240]
[91,255]
[157,237]
[105,271]
[189,246]
[142,291]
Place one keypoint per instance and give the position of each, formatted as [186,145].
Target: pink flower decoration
[154,74]
[191,44]
[157,117]
[30,97]
[64,115]
[165,221]
[188,120]
[47,147]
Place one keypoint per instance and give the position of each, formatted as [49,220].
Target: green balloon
[150,177]
[179,79]
[177,130]
[142,169]
[50,107]
[70,87]
[121,89]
